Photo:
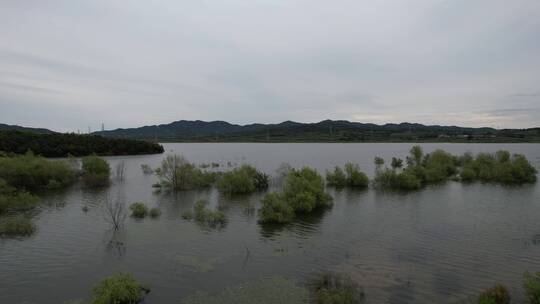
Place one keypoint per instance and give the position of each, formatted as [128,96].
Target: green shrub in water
[304,190]
[33,173]
[13,200]
[498,168]
[187,215]
[497,294]
[155,212]
[13,226]
[275,209]
[208,217]
[531,284]
[243,180]
[336,178]
[121,288]
[337,289]
[138,210]
[350,177]
[96,171]
[177,174]
[390,179]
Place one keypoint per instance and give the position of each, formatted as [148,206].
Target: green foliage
[138,210]
[155,212]
[497,294]
[62,145]
[121,288]
[13,226]
[415,158]
[336,289]
[205,216]
[34,173]
[351,177]
[379,162]
[498,168]
[390,179]
[95,171]
[13,200]
[396,163]
[275,209]
[243,180]
[531,284]
[187,214]
[178,174]
[304,190]
[438,166]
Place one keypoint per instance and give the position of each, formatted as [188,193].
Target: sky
[68,65]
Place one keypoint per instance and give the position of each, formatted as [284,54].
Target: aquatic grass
[333,288]
[120,288]
[207,217]
[275,209]
[13,226]
[531,284]
[497,294]
[138,210]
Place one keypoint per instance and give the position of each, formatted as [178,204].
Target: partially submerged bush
[13,226]
[275,209]
[498,168]
[350,177]
[33,173]
[531,284]
[178,174]
[303,192]
[337,289]
[95,171]
[121,288]
[203,215]
[497,294]
[13,200]
[146,169]
[243,180]
[155,212]
[390,179]
[138,210]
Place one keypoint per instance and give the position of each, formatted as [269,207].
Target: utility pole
[102,127]
[89,130]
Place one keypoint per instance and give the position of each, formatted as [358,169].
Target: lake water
[437,245]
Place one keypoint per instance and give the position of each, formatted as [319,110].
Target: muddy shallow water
[437,245]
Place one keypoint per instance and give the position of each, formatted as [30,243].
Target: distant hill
[323,131]
[4,127]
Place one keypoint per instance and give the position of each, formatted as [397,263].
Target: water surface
[437,245]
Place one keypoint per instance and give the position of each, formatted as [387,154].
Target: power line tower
[102,127]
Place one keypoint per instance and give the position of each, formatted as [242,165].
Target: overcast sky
[67,65]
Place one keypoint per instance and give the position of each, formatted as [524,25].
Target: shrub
[34,173]
[11,199]
[119,289]
[275,209]
[243,180]
[13,226]
[95,171]
[531,284]
[396,163]
[336,178]
[304,190]
[178,174]
[355,177]
[155,212]
[187,215]
[138,210]
[392,180]
[497,294]
[146,169]
[336,289]
[499,168]
[208,217]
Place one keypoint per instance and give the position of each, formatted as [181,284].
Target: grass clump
[243,180]
[121,288]
[13,226]
[497,294]
[350,177]
[205,216]
[531,284]
[177,174]
[96,171]
[13,200]
[138,210]
[155,212]
[303,192]
[336,289]
[34,173]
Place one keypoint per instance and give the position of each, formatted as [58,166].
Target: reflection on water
[438,245]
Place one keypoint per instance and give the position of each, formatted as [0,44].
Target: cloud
[136,63]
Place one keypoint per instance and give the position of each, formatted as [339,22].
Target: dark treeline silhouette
[61,145]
